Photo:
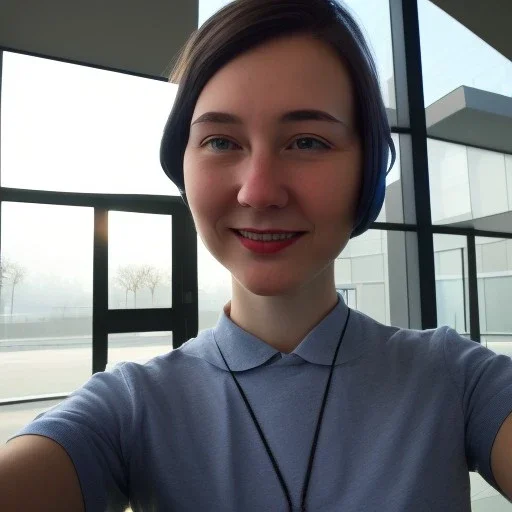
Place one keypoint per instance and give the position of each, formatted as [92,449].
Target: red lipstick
[267,247]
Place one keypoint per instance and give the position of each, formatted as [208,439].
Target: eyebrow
[288,117]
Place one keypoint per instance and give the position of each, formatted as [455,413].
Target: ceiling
[488,19]
[143,37]
[136,36]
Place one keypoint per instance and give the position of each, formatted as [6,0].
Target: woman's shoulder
[441,341]
[368,327]
[171,364]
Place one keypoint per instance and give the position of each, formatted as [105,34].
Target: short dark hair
[246,24]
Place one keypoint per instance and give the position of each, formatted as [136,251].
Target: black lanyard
[317,431]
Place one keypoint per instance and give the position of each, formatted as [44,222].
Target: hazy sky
[74,128]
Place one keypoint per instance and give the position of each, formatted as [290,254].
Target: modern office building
[99,259]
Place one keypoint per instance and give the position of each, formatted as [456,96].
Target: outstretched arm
[36,473]
[501,457]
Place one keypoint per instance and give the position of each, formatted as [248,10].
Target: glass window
[468,90]
[508,174]
[392,210]
[494,271]
[494,255]
[73,128]
[450,257]
[487,182]
[349,296]
[453,56]
[214,287]
[509,254]
[368,268]
[137,347]
[139,260]
[46,306]
[449,182]
[374,19]
[363,268]
[14,417]
[208,8]
[497,295]
[372,242]
[467,183]
[343,271]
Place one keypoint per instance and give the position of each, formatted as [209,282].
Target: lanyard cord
[317,430]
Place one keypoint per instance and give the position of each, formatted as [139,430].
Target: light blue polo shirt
[409,412]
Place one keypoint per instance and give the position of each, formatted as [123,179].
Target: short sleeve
[484,381]
[95,426]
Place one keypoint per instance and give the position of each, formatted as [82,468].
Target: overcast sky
[79,129]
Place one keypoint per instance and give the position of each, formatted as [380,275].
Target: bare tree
[124,280]
[131,278]
[15,274]
[154,277]
[139,278]
[4,270]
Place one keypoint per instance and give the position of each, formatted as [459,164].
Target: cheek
[206,195]
[334,198]
[348,188]
[194,189]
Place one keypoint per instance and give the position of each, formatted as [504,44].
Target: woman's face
[273,148]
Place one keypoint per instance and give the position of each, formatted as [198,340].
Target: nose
[262,184]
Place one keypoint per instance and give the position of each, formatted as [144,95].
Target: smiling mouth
[268,236]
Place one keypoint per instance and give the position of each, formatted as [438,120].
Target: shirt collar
[244,351]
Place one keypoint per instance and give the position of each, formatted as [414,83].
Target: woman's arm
[36,473]
[501,457]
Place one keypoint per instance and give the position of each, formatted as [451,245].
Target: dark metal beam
[474,318]
[140,320]
[407,50]
[120,202]
[184,279]
[33,399]
[470,231]
[100,292]
[442,230]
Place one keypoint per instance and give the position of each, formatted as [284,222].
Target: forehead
[283,74]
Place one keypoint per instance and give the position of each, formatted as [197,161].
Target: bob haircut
[245,24]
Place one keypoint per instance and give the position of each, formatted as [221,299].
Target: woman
[279,144]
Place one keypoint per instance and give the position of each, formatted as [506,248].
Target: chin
[269,291]
[269,287]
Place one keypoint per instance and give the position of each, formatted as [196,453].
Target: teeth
[266,237]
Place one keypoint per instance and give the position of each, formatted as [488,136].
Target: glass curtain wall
[468,98]
[78,135]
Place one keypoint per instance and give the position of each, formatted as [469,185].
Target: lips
[267,237]
[266,246]
[269,231]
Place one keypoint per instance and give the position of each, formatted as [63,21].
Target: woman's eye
[221,144]
[309,143]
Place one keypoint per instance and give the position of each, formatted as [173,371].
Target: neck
[283,321]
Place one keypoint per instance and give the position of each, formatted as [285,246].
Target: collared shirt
[409,412]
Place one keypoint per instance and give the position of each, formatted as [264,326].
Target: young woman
[279,144]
